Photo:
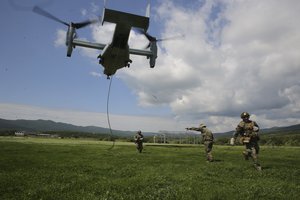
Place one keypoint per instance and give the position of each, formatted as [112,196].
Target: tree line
[270,139]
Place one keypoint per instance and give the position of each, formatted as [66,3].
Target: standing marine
[138,140]
[207,140]
[247,130]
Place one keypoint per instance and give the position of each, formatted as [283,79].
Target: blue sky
[34,72]
[236,56]
[39,73]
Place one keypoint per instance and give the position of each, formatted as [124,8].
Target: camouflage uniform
[138,139]
[207,139]
[249,137]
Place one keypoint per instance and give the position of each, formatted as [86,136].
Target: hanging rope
[107,113]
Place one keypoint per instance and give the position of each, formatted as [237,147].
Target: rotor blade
[171,38]
[147,35]
[44,13]
[85,23]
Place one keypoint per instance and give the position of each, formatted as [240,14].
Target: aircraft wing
[140,52]
[88,44]
[152,55]
[100,46]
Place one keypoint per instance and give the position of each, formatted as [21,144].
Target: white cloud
[84,12]
[95,74]
[103,34]
[245,58]
[60,38]
[238,55]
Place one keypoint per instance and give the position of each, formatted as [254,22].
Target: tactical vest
[246,130]
[207,135]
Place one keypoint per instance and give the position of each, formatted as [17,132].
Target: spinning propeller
[71,34]
[153,39]
[79,25]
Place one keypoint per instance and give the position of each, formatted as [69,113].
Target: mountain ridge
[41,125]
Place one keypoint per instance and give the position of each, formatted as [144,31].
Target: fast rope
[107,113]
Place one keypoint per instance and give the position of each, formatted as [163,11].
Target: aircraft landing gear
[100,59]
[127,64]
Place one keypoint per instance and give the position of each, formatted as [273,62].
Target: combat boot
[257,166]
[246,155]
[209,157]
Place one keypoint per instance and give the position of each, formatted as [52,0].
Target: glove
[232,140]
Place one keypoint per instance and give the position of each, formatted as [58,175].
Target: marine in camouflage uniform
[248,132]
[207,140]
[138,140]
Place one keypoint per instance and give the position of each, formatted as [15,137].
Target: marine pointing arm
[193,129]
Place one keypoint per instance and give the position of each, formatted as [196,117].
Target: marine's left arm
[256,127]
[254,133]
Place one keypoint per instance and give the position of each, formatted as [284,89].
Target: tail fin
[103,12]
[148,9]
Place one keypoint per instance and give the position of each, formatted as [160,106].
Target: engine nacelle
[153,49]
[69,40]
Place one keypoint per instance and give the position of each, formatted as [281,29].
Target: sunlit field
[39,168]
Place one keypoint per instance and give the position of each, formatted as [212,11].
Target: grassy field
[37,168]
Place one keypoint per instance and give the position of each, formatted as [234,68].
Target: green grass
[36,168]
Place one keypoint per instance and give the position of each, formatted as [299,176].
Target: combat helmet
[245,115]
[202,125]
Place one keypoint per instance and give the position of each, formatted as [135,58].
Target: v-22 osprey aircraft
[114,55]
